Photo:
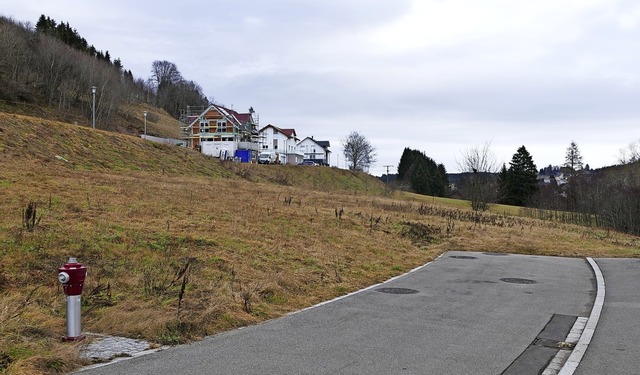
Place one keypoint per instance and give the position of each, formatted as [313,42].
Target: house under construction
[221,132]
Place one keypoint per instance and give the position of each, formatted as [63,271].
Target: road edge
[366,288]
[151,351]
[587,334]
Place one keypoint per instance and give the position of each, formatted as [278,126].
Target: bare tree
[358,152]
[165,73]
[479,185]
[630,154]
[45,69]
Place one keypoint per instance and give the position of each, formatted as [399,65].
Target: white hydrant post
[72,276]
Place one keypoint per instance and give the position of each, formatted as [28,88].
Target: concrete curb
[585,339]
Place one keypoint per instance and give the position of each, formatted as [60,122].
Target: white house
[283,142]
[316,151]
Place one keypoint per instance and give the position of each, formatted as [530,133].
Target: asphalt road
[615,347]
[461,319]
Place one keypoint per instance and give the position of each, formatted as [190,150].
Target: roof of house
[323,144]
[230,114]
[291,133]
[244,117]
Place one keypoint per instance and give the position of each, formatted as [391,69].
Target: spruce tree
[521,179]
[420,177]
[405,163]
[503,183]
[573,158]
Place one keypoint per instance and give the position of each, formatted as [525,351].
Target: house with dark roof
[315,151]
[283,142]
[221,132]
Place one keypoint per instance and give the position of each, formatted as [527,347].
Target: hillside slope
[179,245]
[24,138]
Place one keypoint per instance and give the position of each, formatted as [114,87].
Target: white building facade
[316,151]
[283,142]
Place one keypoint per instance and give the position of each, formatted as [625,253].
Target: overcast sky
[440,76]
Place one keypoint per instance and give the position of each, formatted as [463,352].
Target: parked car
[308,162]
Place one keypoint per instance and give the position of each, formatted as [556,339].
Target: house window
[275,144]
[222,126]
[204,126]
[265,146]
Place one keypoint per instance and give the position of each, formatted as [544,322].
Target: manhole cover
[397,290]
[462,257]
[496,254]
[514,280]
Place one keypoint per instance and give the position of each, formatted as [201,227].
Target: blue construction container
[244,155]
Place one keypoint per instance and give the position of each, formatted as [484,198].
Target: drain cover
[518,281]
[397,290]
[462,257]
[496,254]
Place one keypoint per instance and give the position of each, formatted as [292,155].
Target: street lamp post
[145,124]
[93,110]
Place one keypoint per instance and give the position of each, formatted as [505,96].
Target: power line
[387,166]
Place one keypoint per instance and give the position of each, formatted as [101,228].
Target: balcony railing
[248,146]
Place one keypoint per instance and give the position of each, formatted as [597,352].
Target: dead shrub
[420,233]
[244,171]
[30,218]
[283,178]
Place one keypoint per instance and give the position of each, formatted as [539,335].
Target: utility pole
[145,124]
[387,166]
[93,110]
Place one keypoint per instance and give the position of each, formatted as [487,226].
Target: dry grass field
[180,246]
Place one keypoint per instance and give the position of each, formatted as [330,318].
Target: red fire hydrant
[72,276]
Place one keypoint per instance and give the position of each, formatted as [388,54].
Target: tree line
[70,36]
[51,65]
[608,197]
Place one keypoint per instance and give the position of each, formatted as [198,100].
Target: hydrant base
[75,338]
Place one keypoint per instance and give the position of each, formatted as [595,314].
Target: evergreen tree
[46,25]
[117,63]
[406,160]
[42,24]
[573,158]
[503,183]
[69,36]
[443,181]
[520,180]
[420,177]
[422,174]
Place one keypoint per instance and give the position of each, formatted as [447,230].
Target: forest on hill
[51,66]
